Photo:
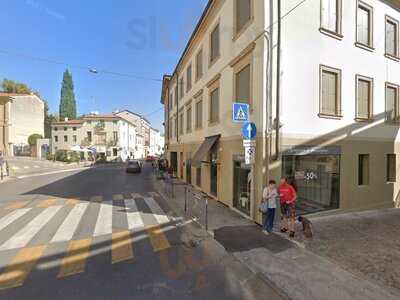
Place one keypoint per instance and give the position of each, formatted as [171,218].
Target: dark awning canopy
[204,149]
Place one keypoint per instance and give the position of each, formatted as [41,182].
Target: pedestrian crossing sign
[240,112]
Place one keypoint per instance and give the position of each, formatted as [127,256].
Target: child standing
[270,195]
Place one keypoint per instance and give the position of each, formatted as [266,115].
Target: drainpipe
[278,85]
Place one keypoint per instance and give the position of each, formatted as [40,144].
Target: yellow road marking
[20,267]
[118,197]
[96,199]
[121,247]
[72,201]
[47,203]
[136,195]
[16,205]
[158,239]
[75,260]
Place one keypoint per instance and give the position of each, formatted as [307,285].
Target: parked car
[133,166]
[150,158]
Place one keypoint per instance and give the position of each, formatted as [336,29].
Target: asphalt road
[102,234]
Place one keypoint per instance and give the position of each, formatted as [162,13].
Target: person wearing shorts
[288,197]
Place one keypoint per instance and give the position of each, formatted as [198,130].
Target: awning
[205,147]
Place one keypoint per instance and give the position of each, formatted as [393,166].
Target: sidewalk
[295,269]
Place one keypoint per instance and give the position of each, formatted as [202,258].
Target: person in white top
[270,197]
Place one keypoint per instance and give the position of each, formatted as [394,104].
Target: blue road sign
[240,112]
[249,131]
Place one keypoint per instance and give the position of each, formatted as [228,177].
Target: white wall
[26,118]
[304,48]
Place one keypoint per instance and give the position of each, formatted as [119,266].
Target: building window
[65,138]
[199,65]
[176,95]
[363,169]
[171,128]
[214,105]
[330,92]
[181,88]
[364,94]
[56,139]
[214,44]
[392,102]
[189,119]
[199,114]
[364,24]
[391,167]
[392,37]
[181,123]
[89,136]
[115,152]
[331,19]
[198,177]
[65,128]
[189,78]
[74,128]
[242,85]
[55,128]
[243,14]
[176,126]
[74,138]
[170,100]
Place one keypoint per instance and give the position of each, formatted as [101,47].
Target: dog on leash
[307,226]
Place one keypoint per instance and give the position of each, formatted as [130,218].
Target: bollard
[206,213]
[172,189]
[7,169]
[1,167]
[186,196]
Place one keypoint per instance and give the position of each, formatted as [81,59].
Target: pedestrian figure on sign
[288,198]
[270,198]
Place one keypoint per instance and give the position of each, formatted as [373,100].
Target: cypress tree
[67,100]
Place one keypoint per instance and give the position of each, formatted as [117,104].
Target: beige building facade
[325,102]
[20,117]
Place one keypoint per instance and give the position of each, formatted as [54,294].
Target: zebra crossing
[31,221]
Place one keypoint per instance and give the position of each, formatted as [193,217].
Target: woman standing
[270,197]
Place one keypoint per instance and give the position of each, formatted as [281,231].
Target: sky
[142,39]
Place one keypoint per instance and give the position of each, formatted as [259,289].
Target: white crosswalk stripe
[158,213]
[74,218]
[22,237]
[104,220]
[133,215]
[13,216]
[67,229]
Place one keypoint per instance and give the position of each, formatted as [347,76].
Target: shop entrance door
[214,171]
[181,165]
[241,187]
[189,171]
[174,161]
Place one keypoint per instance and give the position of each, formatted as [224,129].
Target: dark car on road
[133,166]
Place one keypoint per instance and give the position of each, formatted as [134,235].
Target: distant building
[156,143]
[142,124]
[20,117]
[112,137]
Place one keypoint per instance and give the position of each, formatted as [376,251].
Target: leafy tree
[11,86]
[48,120]
[32,139]
[67,100]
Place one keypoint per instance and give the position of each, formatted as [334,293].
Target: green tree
[48,120]
[67,100]
[11,86]
[32,139]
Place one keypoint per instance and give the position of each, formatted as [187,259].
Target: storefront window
[316,178]
[241,186]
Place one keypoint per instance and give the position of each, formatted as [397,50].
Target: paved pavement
[294,268]
[100,233]
[364,243]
